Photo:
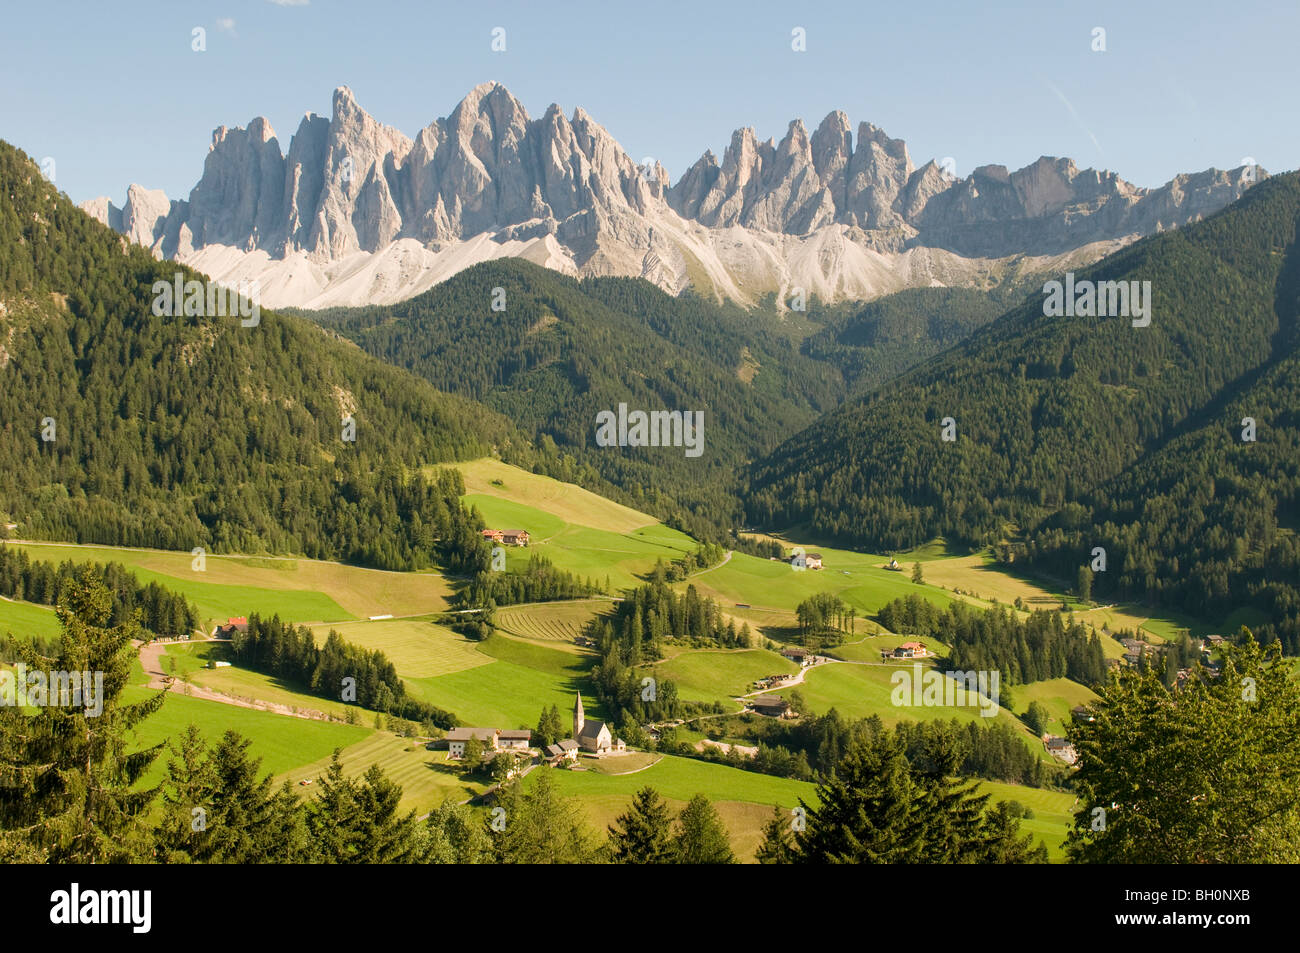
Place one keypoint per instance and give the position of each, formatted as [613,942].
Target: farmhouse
[772,705]
[495,535]
[893,566]
[515,739]
[911,650]
[813,560]
[236,623]
[796,654]
[457,737]
[566,750]
[1061,748]
[515,537]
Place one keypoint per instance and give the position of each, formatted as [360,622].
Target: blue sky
[115,94]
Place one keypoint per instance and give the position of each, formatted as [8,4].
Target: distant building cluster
[906,650]
[507,537]
[593,737]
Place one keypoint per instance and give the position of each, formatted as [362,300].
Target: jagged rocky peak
[562,190]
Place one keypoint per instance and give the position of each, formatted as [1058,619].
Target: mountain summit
[356,212]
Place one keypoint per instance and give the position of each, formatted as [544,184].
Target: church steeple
[579,718]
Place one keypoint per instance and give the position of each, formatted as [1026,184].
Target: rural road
[151,662]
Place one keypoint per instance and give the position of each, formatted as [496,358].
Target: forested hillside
[559,351]
[1088,431]
[1207,523]
[121,427]
[873,343]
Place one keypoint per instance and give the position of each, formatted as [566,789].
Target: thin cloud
[226,25]
[1077,119]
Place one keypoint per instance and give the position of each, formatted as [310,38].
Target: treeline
[824,619]
[336,670]
[704,556]
[881,805]
[1023,650]
[178,432]
[1032,398]
[636,631]
[809,748]
[540,582]
[653,614]
[162,611]
[1205,524]
[560,351]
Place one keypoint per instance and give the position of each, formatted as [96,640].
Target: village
[510,753]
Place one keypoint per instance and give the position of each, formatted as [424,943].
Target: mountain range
[357,213]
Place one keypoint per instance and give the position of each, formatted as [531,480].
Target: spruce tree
[701,838]
[642,834]
[69,790]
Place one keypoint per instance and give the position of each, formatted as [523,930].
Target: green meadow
[863,690]
[1057,695]
[708,675]
[298,590]
[1053,813]
[283,742]
[418,649]
[510,691]
[26,619]
[590,552]
[427,777]
[766,584]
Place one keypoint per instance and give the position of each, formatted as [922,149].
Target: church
[593,736]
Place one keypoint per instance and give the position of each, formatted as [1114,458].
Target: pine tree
[701,838]
[777,846]
[642,834]
[540,826]
[69,787]
[183,835]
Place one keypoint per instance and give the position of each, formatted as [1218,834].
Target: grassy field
[427,777]
[521,678]
[189,659]
[859,691]
[708,675]
[1053,812]
[554,622]
[25,619]
[743,799]
[299,590]
[591,552]
[773,589]
[1057,695]
[282,741]
[574,528]
[566,501]
[416,648]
